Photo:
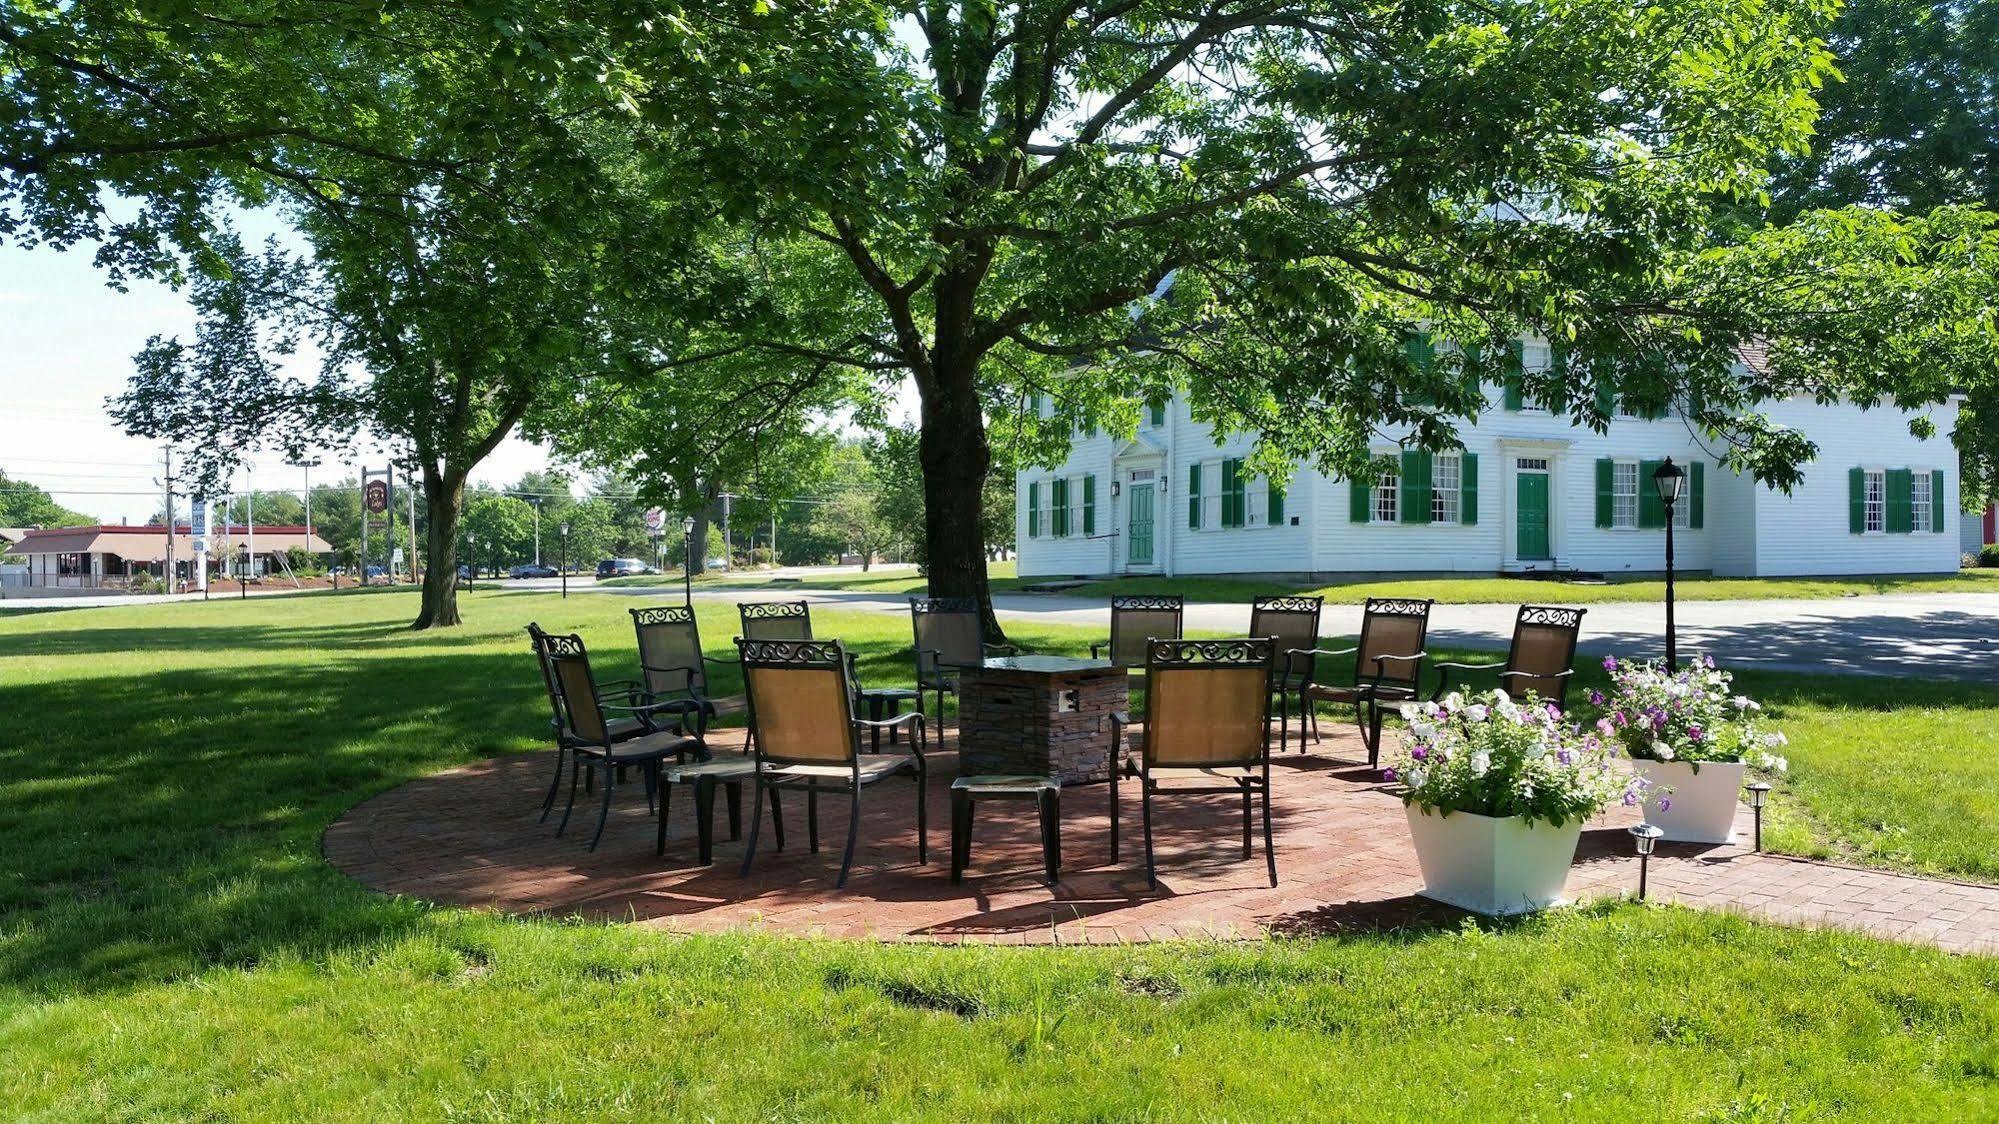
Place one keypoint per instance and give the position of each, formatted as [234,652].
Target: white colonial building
[1530,492]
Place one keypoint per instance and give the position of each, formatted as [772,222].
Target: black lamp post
[471,566]
[1646,837]
[1669,479]
[1757,792]
[687,559]
[565,561]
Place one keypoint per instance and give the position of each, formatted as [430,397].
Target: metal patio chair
[1291,623]
[792,620]
[1541,659]
[671,663]
[949,632]
[585,731]
[620,729]
[805,735]
[1388,668]
[1207,730]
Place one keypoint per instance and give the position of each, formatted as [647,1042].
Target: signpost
[377,496]
[198,531]
[655,527]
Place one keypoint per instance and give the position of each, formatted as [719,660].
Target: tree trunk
[955,456]
[443,499]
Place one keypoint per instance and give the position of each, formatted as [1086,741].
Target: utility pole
[409,480]
[537,531]
[728,551]
[168,455]
[362,561]
[250,527]
[773,536]
[308,505]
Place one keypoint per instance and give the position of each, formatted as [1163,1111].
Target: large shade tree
[1257,204]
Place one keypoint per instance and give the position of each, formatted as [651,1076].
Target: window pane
[1919,501]
[1877,501]
[1385,506]
[1444,476]
[1624,494]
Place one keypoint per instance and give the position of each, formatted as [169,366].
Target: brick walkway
[469,836]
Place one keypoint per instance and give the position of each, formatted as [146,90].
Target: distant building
[111,557]
[1529,492]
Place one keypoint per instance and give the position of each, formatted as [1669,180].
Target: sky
[66,344]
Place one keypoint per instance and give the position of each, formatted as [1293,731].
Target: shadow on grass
[173,823]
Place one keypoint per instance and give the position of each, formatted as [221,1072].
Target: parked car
[621,567]
[465,573]
[534,570]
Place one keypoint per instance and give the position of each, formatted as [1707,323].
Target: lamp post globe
[1670,479]
[564,529]
[687,559]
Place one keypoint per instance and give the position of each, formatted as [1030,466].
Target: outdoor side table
[966,792]
[1038,716]
[884,702]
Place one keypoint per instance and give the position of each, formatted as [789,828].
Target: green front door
[1531,518]
[1139,552]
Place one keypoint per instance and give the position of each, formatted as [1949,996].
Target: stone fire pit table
[1040,716]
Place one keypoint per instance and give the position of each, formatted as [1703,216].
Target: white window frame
[1044,508]
[1922,510]
[1076,506]
[1683,511]
[1211,496]
[1447,504]
[1384,499]
[1873,501]
[1623,518]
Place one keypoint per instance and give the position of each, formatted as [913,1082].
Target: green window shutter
[1232,493]
[1697,495]
[1606,470]
[1034,510]
[1158,412]
[1194,496]
[1274,514]
[1936,500]
[1651,509]
[1089,505]
[1422,350]
[1059,500]
[1468,489]
[1359,500]
[1856,501]
[1415,486]
[1901,512]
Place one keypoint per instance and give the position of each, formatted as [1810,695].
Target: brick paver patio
[468,836]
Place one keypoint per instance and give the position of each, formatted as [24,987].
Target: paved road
[1945,635]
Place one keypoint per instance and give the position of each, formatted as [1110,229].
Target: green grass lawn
[173,946]
[905,580]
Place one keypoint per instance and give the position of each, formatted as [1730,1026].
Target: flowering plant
[1689,715]
[1491,756]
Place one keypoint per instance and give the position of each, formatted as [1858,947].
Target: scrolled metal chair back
[800,702]
[1292,622]
[569,670]
[1392,626]
[670,649]
[948,631]
[1207,702]
[1544,646]
[1138,620]
[776,620]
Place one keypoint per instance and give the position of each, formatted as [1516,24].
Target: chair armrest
[720,659]
[1311,658]
[885,723]
[1002,649]
[1097,650]
[685,673]
[1469,666]
[919,739]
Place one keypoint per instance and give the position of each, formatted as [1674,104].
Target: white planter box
[1701,806]
[1493,866]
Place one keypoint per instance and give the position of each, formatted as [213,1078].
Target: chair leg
[604,809]
[575,765]
[704,819]
[874,732]
[1269,848]
[651,778]
[735,799]
[1145,815]
[1248,819]
[756,822]
[1117,766]
[666,809]
[922,819]
[1374,734]
[1283,718]
[812,815]
[853,834]
[961,833]
[554,786]
[589,781]
[1051,833]
[777,819]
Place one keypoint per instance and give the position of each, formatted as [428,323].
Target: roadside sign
[655,520]
[375,496]
[198,526]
